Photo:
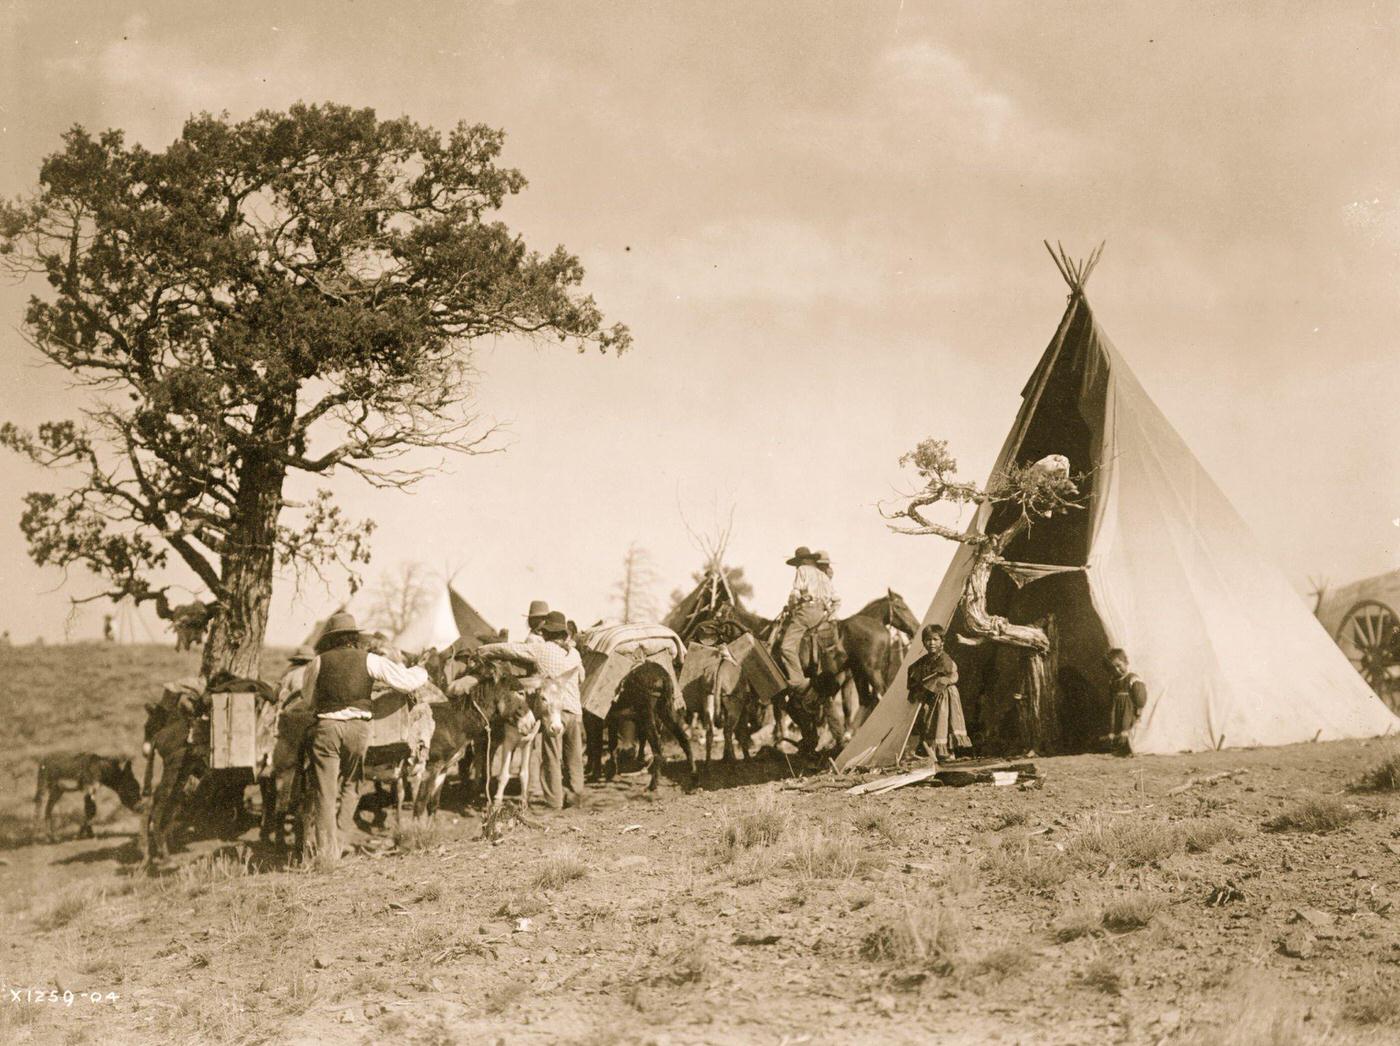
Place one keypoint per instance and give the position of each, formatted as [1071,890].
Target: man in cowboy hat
[539,610]
[338,684]
[295,676]
[811,601]
[561,754]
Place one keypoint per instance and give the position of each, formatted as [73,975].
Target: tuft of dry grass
[876,821]
[416,835]
[1315,814]
[523,905]
[64,911]
[1132,843]
[1132,912]
[1263,1011]
[1001,963]
[923,934]
[816,855]
[1017,863]
[1383,777]
[762,826]
[559,870]
[1375,1003]
[1077,923]
[1101,974]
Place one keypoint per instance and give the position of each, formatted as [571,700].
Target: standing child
[1128,696]
[933,682]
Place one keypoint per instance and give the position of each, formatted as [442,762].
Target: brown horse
[841,699]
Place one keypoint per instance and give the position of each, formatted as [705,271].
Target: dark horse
[838,699]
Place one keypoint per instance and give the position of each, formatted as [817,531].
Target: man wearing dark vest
[339,682]
[1128,694]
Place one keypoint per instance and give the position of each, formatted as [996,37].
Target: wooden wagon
[1364,620]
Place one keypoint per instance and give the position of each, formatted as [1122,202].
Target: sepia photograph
[628,523]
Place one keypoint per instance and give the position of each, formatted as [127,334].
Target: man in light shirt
[339,683]
[534,617]
[812,600]
[561,755]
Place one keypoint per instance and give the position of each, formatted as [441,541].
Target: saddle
[822,653]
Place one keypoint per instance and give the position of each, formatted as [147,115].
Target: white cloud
[149,86]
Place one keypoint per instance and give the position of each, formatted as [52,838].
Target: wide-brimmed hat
[802,555]
[301,655]
[555,622]
[337,624]
[538,608]
[821,558]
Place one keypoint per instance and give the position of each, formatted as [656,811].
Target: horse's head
[118,775]
[899,615]
[545,705]
[512,708]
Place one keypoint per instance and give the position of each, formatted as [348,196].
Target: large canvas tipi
[1159,564]
[446,618]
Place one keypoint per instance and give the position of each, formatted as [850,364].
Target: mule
[647,696]
[61,772]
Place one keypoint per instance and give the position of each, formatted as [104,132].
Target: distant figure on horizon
[108,636]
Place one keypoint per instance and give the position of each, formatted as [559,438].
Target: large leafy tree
[295,292]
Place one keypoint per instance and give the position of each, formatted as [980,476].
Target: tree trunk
[240,620]
[1036,677]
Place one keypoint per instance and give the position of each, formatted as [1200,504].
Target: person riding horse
[812,603]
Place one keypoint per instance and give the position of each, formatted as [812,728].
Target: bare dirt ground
[762,908]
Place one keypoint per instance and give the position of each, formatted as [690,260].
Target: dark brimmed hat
[301,655]
[802,555]
[337,624]
[555,623]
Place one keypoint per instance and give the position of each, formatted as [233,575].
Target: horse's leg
[267,790]
[89,811]
[681,737]
[648,729]
[526,754]
[709,719]
[50,799]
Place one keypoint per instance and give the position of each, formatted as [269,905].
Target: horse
[842,698]
[875,638]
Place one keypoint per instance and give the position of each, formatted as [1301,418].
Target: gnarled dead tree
[1036,493]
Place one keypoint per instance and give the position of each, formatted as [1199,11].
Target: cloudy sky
[822,222]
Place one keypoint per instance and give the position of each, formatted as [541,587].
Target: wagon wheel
[1370,637]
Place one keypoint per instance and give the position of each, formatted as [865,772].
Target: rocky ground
[1111,905]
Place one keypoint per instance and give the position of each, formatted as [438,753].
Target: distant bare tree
[635,591]
[400,597]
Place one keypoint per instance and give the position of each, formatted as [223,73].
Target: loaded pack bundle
[610,652]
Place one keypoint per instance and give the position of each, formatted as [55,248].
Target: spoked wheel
[1370,637]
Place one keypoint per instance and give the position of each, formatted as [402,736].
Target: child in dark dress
[933,682]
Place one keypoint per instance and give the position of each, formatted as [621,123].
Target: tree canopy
[294,292]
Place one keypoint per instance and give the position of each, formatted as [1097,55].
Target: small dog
[82,772]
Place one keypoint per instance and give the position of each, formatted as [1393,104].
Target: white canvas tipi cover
[446,618]
[1230,655]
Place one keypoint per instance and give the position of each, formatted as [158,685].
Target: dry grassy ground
[1255,909]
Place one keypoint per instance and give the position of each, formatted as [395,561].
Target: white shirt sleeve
[394,675]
